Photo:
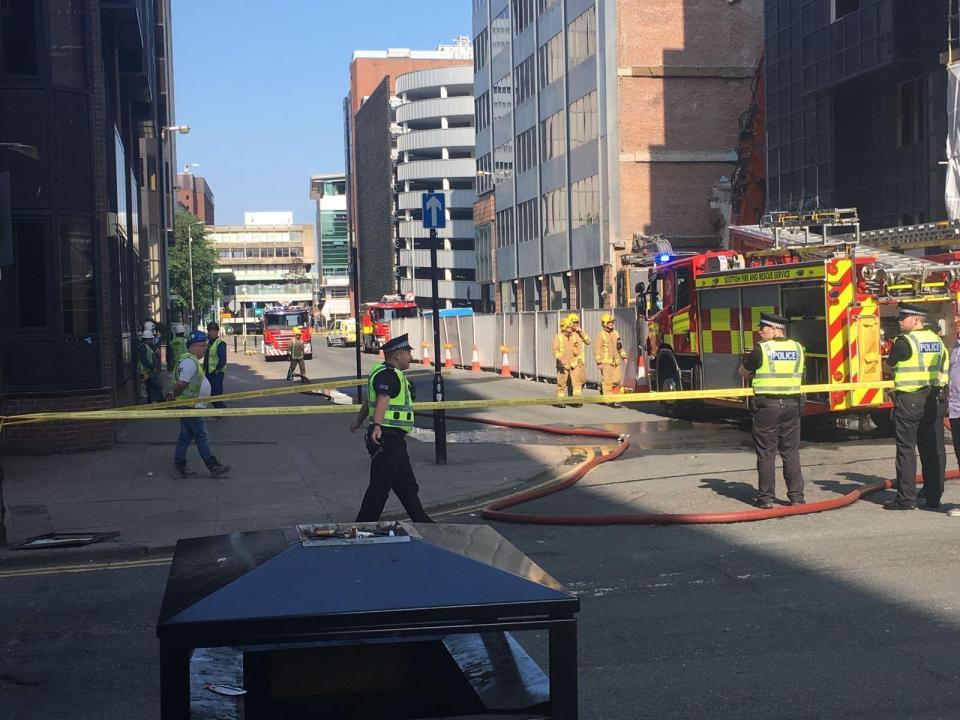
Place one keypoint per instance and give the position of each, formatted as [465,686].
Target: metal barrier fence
[527,338]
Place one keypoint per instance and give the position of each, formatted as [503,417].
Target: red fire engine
[278,325]
[376,317]
[840,294]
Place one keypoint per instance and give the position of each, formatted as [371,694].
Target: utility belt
[762,401]
[388,436]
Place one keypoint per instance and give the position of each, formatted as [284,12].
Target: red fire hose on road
[495,510]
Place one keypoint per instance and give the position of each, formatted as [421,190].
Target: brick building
[86,98]
[600,119]
[195,195]
[370,149]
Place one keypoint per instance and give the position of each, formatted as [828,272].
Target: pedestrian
[296,356]
[954,394]
[568,351]
[921,371]
[148,365]
[190,382]
[215,361]
[775,369]
[610,355]
[178,345]
[389,409]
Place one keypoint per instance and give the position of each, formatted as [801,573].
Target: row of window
[554,204]
[269,289]
[481,111]
[503,162]
[505,227]
[582,37]
[502,96]
[550,56]
[585,200]
[524,80]
[528,226]
[484,174]
[480,56]
[523,14]
[553,136]
[526,149]
[500,32]
[584,120]
[260,252]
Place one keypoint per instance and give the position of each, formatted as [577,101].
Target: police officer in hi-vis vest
[775,369]
[921,367]
[389,408]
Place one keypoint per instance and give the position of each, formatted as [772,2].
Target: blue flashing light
[664,258]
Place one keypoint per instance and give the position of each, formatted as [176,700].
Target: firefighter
[610,355]
[921,369]
[775,369]
[390,415]
[568,351]
[296,356]
[580,372]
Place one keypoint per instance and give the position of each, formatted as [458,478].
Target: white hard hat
[147,334]
[179,329]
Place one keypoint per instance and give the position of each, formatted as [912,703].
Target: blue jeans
[192,429]
[216,387]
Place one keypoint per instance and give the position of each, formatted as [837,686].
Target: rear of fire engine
[840,295]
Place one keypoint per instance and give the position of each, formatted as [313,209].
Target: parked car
[343,333]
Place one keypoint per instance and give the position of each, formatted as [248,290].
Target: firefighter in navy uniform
[389,408]
[775,369]
[921,367]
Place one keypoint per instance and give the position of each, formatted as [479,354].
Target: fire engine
[817,268]
[278,325]
[376,317]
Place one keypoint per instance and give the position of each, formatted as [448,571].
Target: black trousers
[918,424]
[390,469]
[776,427]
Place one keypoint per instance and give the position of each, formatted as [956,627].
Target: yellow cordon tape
[678,395]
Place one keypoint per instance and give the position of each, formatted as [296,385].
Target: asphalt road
[848,614]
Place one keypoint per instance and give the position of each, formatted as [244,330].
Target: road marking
[93,567]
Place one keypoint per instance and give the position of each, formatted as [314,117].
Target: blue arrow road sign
[434,207]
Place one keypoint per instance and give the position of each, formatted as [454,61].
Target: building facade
[856,107]
[370,143]
[598,120]
[265,262]
[333,248]
[86,159]
[195,195]
[435,153]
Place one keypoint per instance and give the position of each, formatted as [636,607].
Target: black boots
[215,467]
[182,469]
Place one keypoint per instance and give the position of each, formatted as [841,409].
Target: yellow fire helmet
[606,318]
[573,318]
[563,323]
[296,331]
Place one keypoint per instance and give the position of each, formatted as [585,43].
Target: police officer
[775,368]
[610,355]
[921,369]
[389,409]
[215,361]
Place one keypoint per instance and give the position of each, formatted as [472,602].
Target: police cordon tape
[674,396]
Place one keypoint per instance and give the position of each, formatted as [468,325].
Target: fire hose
[495,510]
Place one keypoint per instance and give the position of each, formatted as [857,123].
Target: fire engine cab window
[681,296]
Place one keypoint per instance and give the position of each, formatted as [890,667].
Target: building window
[840,8]
[76,277]
[18,37]
[502,96]
[505,228]
[483,252]
[500,32]
[551,60]
[585,201]
[526,150]
[68,42]
[503,162]
[583,120]
[481,49]
[544,5]
[30,255]
[582,37]
[910,112]
[528,221]
[554,204]
[484,174]
[522,15]
[482,110]
[553,137]
[524,80]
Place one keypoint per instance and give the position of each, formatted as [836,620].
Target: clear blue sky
[261,85]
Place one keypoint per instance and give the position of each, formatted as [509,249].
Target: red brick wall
[57,437]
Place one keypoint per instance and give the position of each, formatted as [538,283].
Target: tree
[204,263]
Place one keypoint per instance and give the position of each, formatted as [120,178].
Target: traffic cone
[643,380]
[475,362]
[447,358]
[505,362]
[426,355]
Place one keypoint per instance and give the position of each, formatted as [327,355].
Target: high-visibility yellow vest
[928,365]
[179,347]
[399,412]
[781,369]
[213,357]
[192,390]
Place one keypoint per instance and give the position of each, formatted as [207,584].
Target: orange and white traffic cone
[447,357]
[475,362]
[505,362]
[643,380]
[426,355]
